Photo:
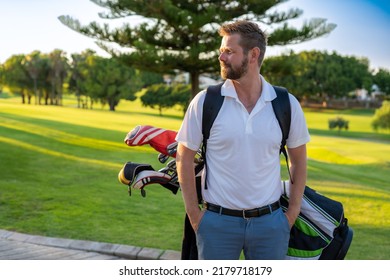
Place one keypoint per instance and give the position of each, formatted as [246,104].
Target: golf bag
[321,230]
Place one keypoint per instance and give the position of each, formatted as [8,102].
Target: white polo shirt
[243,163]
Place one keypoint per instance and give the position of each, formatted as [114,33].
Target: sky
[363,27]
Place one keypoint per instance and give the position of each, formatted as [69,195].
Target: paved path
[19,246]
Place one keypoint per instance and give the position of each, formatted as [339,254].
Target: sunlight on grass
[347,151]
[123,120]
[45,151]
[61,136]
[350,190]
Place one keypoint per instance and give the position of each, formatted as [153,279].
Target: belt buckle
[243,215]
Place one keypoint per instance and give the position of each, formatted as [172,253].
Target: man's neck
[248,90]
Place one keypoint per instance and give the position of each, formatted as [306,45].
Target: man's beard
[228,72]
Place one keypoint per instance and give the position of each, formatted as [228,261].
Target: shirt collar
[268,92]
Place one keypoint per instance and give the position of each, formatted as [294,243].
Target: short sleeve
[299,134]
[190,132]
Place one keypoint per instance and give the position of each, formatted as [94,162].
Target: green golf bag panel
[306,240]
[318,225]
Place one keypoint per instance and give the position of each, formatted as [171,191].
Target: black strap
[282,108]
[211,106]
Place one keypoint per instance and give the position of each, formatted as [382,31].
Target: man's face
[233,61]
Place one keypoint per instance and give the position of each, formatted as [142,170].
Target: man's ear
[254,55]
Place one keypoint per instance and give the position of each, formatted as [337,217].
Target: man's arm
[186,172]
[298,169]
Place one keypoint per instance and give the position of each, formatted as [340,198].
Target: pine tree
[182,35]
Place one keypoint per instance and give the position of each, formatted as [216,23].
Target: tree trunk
[23,97]
[36,92]
[40,97]
[52,93]
[78,98]
[194,84]
[47,97]
[112,104]
[59,93]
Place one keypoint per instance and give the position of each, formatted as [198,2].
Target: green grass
[59,166]
[58,177]
[353,167]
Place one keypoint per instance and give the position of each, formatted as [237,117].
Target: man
[241,210]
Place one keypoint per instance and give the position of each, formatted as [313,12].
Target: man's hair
[251,36]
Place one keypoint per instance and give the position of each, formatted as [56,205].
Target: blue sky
[363,27]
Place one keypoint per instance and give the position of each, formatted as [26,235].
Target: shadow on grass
[368,136]
[366,176]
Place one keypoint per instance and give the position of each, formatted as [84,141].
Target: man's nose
[222,56]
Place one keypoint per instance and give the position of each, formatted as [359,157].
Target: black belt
[250,213]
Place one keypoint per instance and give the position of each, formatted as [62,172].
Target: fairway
[59,168]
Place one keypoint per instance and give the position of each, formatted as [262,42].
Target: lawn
[59,166]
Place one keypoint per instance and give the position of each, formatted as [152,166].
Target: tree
[382,117]
[78,73]
[16,77]
[37,74]
[318,75]
[165,96]
[181,35]
[382,80]
[147,78]
[35,67]
[109,81]
[285,70]
[157,96]
[179,95]
[58,67]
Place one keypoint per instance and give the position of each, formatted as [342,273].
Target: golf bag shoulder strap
[213,103]
[282,109]
[211,106]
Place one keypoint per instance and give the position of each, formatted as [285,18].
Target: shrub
[382,117]
[338,123]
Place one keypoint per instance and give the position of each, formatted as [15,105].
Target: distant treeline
[94,79]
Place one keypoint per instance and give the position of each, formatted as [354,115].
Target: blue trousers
[222,237]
